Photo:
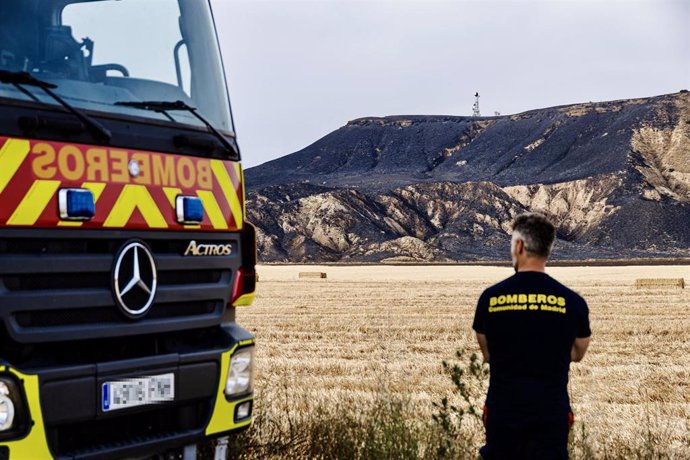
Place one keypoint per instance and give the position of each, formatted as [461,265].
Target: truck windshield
[99,52]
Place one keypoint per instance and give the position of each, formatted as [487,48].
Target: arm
[484,345]
[579,349]
[479,324]
[583,335]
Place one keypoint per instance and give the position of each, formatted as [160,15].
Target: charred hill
[614,176]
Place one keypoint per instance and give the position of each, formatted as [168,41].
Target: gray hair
[537,232]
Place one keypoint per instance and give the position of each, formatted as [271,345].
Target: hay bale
[660,283]
[312,275]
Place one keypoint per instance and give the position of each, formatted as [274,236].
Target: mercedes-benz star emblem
[134,279]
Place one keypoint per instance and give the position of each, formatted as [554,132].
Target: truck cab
[124,249]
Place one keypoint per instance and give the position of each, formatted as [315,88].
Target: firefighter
[530,328]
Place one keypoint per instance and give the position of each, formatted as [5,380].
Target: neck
[532,264]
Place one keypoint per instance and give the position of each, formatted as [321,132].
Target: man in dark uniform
[529,328]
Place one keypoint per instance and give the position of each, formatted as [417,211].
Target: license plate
[121,394]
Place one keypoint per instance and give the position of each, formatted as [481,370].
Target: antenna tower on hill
[475,107]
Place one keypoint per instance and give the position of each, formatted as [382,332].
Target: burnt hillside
[614,175]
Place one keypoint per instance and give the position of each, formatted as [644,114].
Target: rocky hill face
[614,176]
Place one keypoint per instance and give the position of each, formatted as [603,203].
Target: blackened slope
[551,145]
[645,228]
[541,146]
[365,151]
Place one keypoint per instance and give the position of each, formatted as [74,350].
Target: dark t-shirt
[530,321]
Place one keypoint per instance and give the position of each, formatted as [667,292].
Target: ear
[519,246]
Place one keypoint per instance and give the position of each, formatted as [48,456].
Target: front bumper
[66,419]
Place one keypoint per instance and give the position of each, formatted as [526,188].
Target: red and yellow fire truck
[123,246]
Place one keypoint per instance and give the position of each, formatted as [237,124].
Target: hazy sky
[298,70]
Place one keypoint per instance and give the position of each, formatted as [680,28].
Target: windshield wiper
[24,78]
[167,106]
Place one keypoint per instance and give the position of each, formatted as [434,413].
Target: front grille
[92,438]
[72,246]
[45,281]
[80,317]
[39,281]
[60,288]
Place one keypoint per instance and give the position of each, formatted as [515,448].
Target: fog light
[189,209]
[240,377]
[76,204]
[243,410]
[6,408]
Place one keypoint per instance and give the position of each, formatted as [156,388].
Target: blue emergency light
[76,204]
[189,209]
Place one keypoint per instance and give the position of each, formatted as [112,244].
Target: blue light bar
[76,204]
[189,209]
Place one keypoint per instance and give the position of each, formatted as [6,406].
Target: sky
[298,70]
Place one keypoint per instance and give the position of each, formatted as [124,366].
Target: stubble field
[364,332]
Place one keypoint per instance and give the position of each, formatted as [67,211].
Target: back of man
[530,327]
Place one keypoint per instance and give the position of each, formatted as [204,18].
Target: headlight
[240,379]
[14,417]
[6,408]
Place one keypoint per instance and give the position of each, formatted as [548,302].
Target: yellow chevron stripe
[12,154]
[228,190]
[34,202]
[135,197]
[96,188]
[171,193]
[240,174]
[215,215]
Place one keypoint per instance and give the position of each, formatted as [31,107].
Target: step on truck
[123,246]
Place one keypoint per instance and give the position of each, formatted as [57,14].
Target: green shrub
[458,419]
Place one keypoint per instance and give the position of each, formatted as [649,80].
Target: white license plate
[140,391]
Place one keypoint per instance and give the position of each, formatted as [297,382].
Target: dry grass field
[384,330]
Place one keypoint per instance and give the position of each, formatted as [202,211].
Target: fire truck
[124,249]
